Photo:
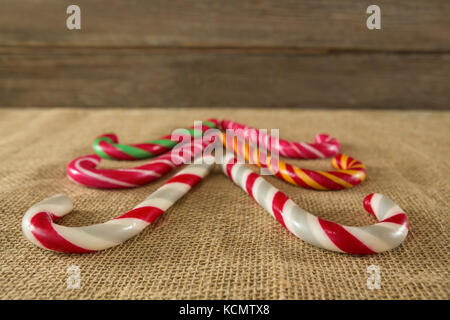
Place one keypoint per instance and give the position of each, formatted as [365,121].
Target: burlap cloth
[217,242]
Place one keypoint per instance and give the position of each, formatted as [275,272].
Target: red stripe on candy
[229,167]
[131,177]
[113,152]
[250,182]
[400,218]
[338,161]
[367,203]
[343,239]
[352,179]
[148,214]
[322,180]
[186,178]
[279,200]
[151,148]
[349,160]
[44,232]
[80,178]
[306,153]
[294,177]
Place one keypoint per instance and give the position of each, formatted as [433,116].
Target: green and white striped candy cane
[107,145]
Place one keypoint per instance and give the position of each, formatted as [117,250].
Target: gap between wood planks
[25,49]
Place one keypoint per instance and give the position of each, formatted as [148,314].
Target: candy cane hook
[385,235]
[323,147]
[38,222]
[107,145]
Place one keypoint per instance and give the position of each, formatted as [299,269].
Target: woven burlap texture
[217,242]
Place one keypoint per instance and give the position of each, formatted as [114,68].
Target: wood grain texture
[87,77]
[407,25]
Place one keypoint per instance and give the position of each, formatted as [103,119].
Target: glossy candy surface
[38,222]
[39,227]
[349,172]
[323,147]
[385,235]
[107,145]
[84,171]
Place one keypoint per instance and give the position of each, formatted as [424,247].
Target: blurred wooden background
[233,53]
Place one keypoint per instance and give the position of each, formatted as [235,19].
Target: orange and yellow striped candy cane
[349,172]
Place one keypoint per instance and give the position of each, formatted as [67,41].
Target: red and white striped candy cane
[323,147]
[39,227]
[385,235]
[83,170]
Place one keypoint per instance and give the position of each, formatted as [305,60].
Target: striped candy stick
[323,147]
[83,170]
[385,235]
[38,222]
[107,145]
[350,172]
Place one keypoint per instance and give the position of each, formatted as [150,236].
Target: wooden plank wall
[233,53]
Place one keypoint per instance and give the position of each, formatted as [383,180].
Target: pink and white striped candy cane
[385,235]
[83,170]
[323,147]
[39,227]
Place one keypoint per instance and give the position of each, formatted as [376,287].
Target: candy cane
[324,146]
[38,226]
[385,235]
[107,145]
[83,170]
[350,172]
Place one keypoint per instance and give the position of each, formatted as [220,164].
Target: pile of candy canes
[245,143]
